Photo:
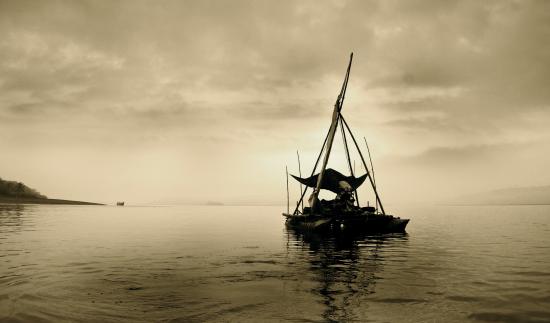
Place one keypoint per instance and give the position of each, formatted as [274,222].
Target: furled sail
[331,180]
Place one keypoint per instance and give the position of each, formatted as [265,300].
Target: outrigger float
[344,211]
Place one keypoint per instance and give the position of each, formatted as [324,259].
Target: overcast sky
[191,101]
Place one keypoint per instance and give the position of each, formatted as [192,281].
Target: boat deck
[362,222]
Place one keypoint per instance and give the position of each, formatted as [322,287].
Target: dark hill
[19,193]
[18,190]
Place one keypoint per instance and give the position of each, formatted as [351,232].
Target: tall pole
[365,165]
[372,168]
[332,131]
[287,193]
[300,173]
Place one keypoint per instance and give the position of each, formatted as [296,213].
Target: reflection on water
[240,264]
[10,218]
[345,266]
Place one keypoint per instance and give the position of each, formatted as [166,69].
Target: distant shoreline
[29,200]
[492,204]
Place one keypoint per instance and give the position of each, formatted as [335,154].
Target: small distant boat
[120,203]
[344,211]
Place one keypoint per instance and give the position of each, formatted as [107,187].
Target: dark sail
[331,178]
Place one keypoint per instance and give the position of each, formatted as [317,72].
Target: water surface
[222,263]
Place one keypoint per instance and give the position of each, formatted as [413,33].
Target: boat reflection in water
[345,265]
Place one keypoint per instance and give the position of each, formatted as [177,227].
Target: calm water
[195,264]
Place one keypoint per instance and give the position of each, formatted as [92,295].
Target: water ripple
[181,264]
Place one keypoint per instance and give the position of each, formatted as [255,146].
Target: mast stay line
[343,131]
[364,164]
[312,172]
[372,168]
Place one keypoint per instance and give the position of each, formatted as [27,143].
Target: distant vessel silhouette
[213,203]
[120,203]
[343,212]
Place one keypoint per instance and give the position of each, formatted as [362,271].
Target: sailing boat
[344,211]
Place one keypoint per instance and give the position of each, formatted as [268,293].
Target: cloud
[458,57]
[443,79]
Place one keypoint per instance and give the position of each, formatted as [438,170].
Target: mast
[334,124]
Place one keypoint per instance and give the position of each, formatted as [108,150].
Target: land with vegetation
[19,193]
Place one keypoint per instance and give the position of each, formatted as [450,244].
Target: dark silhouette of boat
[343,213]
[120,203]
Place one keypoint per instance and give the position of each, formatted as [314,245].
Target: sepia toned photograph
[275,161]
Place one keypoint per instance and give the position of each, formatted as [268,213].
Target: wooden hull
[363,222]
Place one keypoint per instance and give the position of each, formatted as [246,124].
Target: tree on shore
[18,190]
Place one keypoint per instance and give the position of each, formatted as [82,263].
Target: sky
[195,101]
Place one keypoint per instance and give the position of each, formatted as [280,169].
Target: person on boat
[344,198]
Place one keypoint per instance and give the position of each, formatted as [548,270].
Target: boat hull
[364,223]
